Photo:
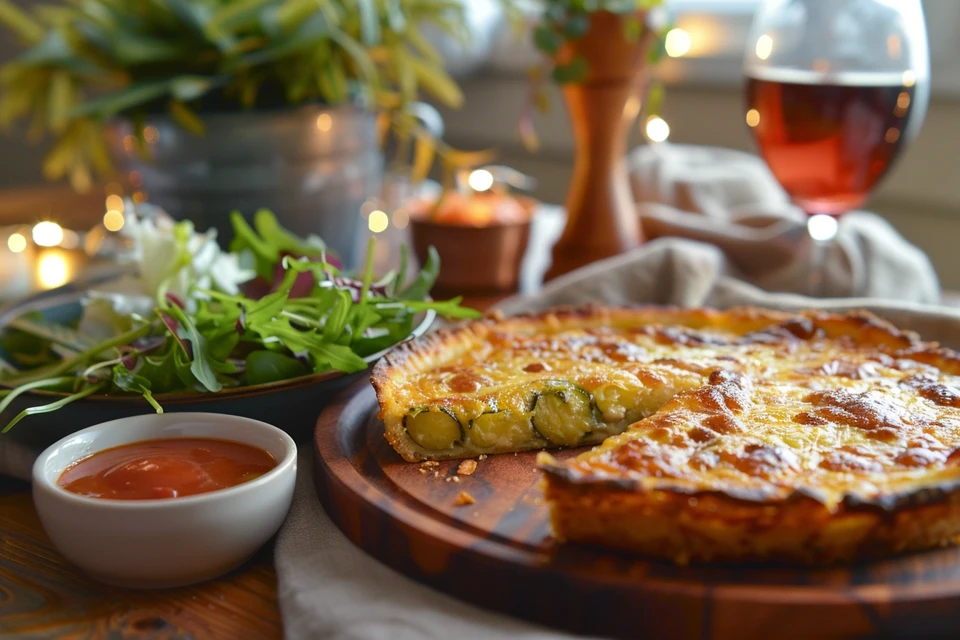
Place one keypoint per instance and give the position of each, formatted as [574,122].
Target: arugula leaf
[127,380]
[281,240]
[423,283]
[362,317]
[325,356]
[336,321]
[245,238]
[270,366]
[202,366]
[446,308]
[54,406]
[161,371]
[46,383]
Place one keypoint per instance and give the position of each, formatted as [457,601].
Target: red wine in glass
[828,139]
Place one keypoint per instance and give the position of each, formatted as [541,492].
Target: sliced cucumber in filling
[500,429]
[433,428]
[562,413]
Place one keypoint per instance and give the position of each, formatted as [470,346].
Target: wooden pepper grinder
[601,215]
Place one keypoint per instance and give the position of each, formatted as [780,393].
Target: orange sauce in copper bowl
[481,239]
[166,468]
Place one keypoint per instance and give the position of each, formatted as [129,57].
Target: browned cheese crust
[745,434]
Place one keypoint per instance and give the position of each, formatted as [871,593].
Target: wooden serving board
[498,554]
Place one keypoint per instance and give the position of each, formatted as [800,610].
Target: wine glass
[834,90]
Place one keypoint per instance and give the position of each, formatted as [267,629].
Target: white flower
[167,254]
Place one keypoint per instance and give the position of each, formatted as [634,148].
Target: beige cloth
[729,200]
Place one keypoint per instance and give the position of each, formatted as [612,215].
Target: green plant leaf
[547,40]
[369,22]
[201,365]
[423,283]
[572,72]
[127,380]
[269,366]
[28,29]
[576,26]
[187,118]
[46,383]
[161,371]
[53,406]
[132,96]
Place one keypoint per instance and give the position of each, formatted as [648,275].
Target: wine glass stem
[818,257]
[822,230]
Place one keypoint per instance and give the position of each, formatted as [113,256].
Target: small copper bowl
[474,259]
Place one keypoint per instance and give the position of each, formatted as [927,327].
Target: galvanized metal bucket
[312,166]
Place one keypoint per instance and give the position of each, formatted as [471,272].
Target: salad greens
[194,318]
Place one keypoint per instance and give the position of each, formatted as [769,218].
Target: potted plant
[237,104]
[600,53]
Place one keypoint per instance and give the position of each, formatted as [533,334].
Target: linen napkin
[729,200]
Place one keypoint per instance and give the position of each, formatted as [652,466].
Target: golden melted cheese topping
[759,408]
[827,436]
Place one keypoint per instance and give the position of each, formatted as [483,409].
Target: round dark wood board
[498,554]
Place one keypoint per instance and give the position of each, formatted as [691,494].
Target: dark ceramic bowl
[292,405]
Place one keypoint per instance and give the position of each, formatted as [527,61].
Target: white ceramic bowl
[164,543]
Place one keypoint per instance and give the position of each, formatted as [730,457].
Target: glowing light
[677,43]
[129,143]
[753,118]
[893,46]
[401,219]
[71,239]
[892,135]
[115,202]
[480,180]
[113,220]
[822,228]
[94,240]
[135,178]
[139,197]
[324,122]
[16,243]
[52,270]
[47,234]
[909,78]
[369,205]
[903,101]
[114,189]
[378,221]
[150,134]
[657,129]
[764,46]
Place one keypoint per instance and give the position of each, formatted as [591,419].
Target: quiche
[744,434]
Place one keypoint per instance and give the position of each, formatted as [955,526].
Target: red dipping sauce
[166,468]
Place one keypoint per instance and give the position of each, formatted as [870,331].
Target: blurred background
[704,105]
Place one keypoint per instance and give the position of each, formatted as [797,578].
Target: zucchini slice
[563,413]
[433,428]
[502,429]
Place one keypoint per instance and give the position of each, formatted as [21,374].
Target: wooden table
[42,596]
